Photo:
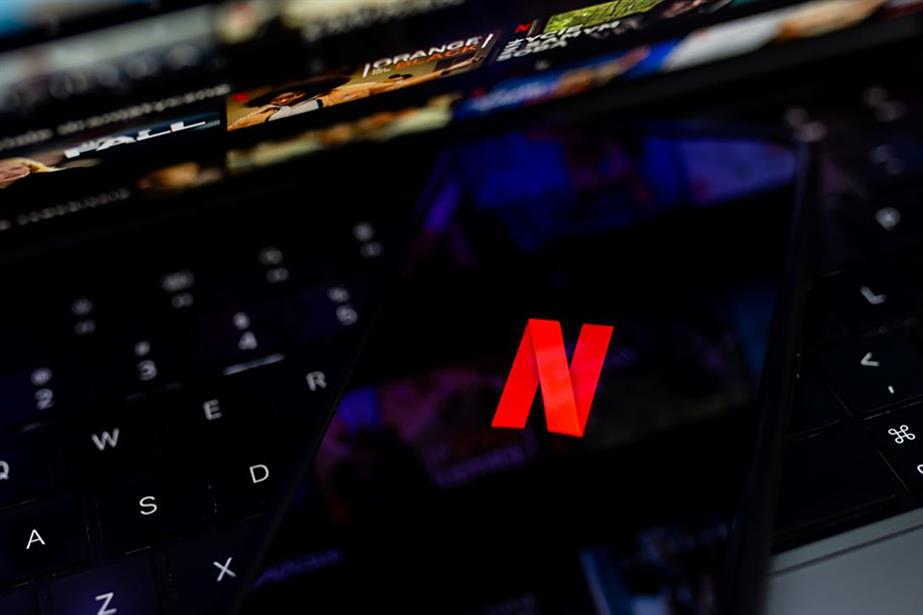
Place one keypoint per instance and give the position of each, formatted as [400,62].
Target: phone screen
[559,408]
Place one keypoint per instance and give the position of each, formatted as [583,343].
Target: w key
[876,372]
[113,446]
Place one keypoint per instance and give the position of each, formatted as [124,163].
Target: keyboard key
[899,436]
[238,338]
[217,418]
[115,446]
[815,407]
[145,511]
[864,299]
[26,461]
[205,571]
[830,476]
[82,317]
[203,421]
[41,537]
[300,390]
[326,312]
[20,603]
[892,221]
[245,481]
[875,372]
[889,222]
[179,291]
[48,387]
[31,395]
[126,587]
[243,334]
[140,361]
[296,389]
[888,156]
[256,268]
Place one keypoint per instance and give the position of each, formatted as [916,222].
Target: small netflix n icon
[567,391]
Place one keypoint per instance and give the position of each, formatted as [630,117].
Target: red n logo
[567,392]
[523,27]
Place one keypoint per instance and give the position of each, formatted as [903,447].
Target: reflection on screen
[23,15]
[578,225]
[110,59]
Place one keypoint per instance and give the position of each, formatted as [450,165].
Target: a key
[149,510]
[875,372]
[126,587]
[26,461]
[205,571]
[41,537]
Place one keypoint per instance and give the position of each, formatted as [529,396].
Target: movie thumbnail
[403,70]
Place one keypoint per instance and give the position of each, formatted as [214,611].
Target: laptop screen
[558,407]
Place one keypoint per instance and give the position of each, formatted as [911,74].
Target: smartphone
[575,399]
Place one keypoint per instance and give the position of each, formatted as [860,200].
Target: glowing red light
[567,391]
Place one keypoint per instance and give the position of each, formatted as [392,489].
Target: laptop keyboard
[855,450]
[155,399]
